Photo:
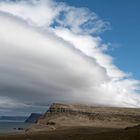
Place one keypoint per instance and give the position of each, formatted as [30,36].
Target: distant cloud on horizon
[52,52]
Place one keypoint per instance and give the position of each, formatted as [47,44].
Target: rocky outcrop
[137,127]
[64,115]
[33,118]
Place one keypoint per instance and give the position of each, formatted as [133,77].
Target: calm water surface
[9,127]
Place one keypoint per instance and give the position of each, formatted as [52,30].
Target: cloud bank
[52,52]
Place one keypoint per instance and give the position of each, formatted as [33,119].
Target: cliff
[33,118]
[68,115]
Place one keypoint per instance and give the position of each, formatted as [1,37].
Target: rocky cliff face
[33,118]
[80,115]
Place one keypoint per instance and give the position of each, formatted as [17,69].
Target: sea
[12,126]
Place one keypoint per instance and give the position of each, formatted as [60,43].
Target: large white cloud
[47,54]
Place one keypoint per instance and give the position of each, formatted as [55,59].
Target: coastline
[13,127]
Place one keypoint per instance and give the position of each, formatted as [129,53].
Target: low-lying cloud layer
[49,53]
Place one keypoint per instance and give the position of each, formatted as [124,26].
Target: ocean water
[11,127]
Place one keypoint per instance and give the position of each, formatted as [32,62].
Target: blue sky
[53,52]
[124,35]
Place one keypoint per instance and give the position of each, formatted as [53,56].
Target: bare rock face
[68,115]
[137,127]
[33,118]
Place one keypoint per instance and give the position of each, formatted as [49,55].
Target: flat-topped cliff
[68,115]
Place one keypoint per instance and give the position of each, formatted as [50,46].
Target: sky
[124,19]
[81,52]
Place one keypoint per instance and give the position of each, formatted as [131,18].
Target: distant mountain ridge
[13,118]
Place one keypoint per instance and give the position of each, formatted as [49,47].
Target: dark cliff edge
[33,118]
